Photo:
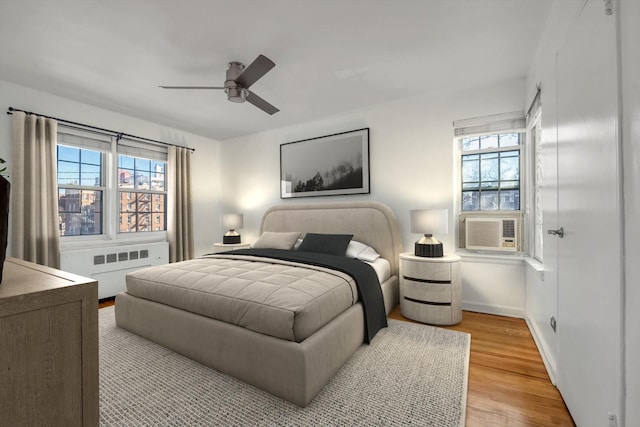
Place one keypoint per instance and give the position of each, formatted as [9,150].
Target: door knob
[559,232]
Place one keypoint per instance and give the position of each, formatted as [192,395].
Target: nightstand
[224,247]
[430,290]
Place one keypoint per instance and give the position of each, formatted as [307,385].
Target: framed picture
[329,165]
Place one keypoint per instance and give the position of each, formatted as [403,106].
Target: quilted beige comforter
[283,299]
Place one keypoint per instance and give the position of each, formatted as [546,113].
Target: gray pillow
[334,244]
[274,240]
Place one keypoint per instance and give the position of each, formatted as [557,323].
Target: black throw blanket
[369,290]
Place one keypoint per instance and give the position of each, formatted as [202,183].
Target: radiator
[109,265]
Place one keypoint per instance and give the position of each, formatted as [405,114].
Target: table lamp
[429,222]
[232,222]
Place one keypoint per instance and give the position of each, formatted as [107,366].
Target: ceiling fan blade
[191,87]
[261,103]
[255,71]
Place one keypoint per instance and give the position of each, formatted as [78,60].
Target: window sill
[78,244]
[492,258]
[536,266]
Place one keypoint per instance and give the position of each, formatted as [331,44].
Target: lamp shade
[232,221]
[430,221]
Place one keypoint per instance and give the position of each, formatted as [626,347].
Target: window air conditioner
[493,234]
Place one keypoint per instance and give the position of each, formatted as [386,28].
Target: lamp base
[429,247]
[231,237]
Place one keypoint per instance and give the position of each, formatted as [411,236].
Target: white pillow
[274,240]
[361,251]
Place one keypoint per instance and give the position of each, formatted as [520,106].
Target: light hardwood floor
[508,384]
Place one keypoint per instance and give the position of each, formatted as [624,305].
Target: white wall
[412,166]
[629,16]
[205,160]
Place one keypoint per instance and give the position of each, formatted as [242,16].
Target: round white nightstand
[224,247]
[430,290]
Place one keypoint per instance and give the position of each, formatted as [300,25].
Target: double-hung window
[81,187]
[491,174]
[109,188]
[141,194]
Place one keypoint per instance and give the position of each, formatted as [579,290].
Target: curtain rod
[118,135]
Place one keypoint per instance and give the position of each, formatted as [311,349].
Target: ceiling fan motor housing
[235,92]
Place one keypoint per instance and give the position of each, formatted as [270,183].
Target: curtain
[179,215]
[34,209]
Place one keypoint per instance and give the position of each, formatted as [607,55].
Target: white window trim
[533,209]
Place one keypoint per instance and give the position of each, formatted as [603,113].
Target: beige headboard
[373,223]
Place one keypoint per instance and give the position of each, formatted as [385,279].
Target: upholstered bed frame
[294,371]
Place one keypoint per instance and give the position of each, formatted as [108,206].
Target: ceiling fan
[238,81]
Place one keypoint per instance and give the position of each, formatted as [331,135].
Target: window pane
[488,141]
[489,201]
[144,222]
[91,157]
[509,168]
[68,200]
[142,164]
[470,144]
[144,202]
[90,175]
[142,180]
[510,200]
[509,139]
[157,181]
[125,162]
[125,178]
[470,170]
[158,202]
[470,200]
[489,167]
[68,173]
[158,167]
[69,154]
[127,222]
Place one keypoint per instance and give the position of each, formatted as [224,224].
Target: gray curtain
[179,215]
[34,195]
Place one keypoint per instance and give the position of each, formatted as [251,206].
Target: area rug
[409,375]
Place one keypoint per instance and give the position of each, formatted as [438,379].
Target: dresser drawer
[438,271]
[427,292]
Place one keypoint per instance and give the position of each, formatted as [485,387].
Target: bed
[295,367]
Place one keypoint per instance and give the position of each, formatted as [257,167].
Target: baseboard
[545,354]
[493,309]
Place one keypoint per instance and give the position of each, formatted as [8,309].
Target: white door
[589,254]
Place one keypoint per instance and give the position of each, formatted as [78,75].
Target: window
[491,169]
[108,188]
[490,166]
[80,191]
[140,180]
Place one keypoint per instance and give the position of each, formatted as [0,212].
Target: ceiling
[331,56]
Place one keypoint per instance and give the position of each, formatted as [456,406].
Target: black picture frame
[330,165]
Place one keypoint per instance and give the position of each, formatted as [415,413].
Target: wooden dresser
[48,347]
